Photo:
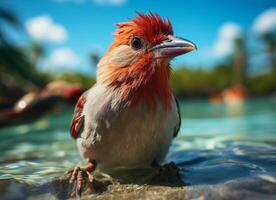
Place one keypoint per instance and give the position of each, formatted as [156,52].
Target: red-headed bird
[130,116]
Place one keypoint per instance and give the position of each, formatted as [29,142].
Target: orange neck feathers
[146,81]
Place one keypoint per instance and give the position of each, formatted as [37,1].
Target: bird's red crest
[141,78]
[150,27]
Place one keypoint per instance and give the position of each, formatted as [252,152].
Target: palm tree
[7,17]
[270,40]
[14,63]
[37,52]
[94,58]
[240,57]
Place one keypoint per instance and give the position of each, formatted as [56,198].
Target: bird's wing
[177,127]
[78,117]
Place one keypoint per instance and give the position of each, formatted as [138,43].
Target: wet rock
[146,184]
[125,184]
[131,191]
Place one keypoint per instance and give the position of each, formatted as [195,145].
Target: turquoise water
[216,144]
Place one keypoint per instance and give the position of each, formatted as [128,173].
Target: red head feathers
[151,28]
[137,63]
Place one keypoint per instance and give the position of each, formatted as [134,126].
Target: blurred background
[63,40]
[49,50]
[47,40]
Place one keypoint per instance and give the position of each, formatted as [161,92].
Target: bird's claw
[78,177]
[172,167]
[169,167]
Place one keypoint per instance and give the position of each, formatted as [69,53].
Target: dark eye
[136,43]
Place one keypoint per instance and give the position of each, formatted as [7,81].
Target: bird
[130,116]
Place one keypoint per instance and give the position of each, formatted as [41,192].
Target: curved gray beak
[172,47]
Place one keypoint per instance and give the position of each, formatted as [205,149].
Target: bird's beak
[172,47]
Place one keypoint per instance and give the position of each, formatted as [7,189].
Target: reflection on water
[217,143]
[235,109]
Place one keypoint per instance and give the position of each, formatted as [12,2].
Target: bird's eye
[136,43]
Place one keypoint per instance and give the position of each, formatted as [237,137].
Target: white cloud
[43,29]
[265,22]
[227,33]
[109,2]
[62,58]
[99,2]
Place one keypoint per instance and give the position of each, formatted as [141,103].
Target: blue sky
[89,24]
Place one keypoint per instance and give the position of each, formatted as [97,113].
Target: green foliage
[262,84]
[16,63]
[18,72]
[84,80]
[200,82]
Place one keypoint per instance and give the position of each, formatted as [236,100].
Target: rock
[143,184]
[132,191]
[125,184]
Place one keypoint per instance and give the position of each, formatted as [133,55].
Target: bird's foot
[167,168]
[171,167]
[79,176]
